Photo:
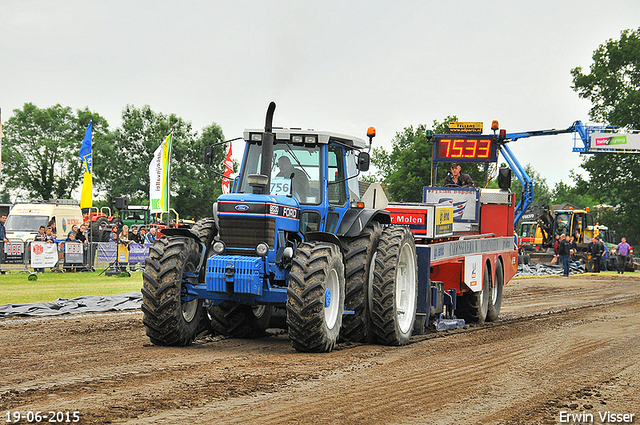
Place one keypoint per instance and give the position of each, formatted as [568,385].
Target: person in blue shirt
[3,231]
[3,239]
[151,236]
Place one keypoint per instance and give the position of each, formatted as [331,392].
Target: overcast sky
[339,66]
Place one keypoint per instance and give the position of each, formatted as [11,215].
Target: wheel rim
[494,292]
[259,310]
[331,299]
[189,308]
[405,288]
[487,284]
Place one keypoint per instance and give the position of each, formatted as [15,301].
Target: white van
[24,220]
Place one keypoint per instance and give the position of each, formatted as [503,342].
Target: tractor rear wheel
[170,320]
[495,300]
[95,231]
[474,306]
[315,297]
[359,260]
[395,286]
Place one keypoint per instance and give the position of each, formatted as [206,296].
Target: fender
[325,237]
[187,233]
[356,219]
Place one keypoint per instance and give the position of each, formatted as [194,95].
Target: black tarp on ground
[84,304]
[548,269]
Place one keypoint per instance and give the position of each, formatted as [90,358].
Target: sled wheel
[495,300]
[473,306]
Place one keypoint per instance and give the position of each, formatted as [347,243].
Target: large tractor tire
[95,231]
[206,230]
[240,320]
[116,221]
[395,286]
[315,297]
[473,307]
[359,260]
[168,319]
[495,299]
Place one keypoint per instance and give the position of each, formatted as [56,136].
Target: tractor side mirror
[363,161]
[208,155]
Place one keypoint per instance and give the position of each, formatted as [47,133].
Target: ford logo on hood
[242,207]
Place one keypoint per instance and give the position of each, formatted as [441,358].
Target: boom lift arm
[581,130]
[527,184]
[523,177]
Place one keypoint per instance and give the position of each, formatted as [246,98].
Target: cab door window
[337,194]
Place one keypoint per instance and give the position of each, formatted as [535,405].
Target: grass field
[17,289]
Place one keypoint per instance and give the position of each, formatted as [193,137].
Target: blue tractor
[291,242]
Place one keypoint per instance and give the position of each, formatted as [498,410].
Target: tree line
[40,157]
[612,85]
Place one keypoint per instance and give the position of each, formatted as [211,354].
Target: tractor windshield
[295,169]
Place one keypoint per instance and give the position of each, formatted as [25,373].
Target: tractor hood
[252,206]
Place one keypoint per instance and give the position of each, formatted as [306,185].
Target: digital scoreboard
[468,148]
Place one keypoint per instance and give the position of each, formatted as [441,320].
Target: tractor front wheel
[168,318]
[315,297]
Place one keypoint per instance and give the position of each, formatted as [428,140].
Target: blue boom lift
[582,132]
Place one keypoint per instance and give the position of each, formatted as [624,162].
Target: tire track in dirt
[384,390]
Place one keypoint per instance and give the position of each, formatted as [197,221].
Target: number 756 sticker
[280,186]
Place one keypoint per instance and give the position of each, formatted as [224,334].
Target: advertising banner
[138,253]
[123,253]
[107,252]
[473,272]
[73,253]
[615,141]
[43,254]
[465,201]
[159,171]
[13,253]
[465,127]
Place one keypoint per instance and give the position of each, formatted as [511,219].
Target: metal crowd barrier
[19,256]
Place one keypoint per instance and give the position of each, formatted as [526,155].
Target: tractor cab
[315,171]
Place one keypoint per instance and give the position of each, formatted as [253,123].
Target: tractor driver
[299,180]
[456,178]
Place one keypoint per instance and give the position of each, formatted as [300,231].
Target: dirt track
[562,345]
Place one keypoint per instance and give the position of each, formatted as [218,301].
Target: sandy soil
[562,345]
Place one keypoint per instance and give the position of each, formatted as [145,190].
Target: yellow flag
[86,200]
